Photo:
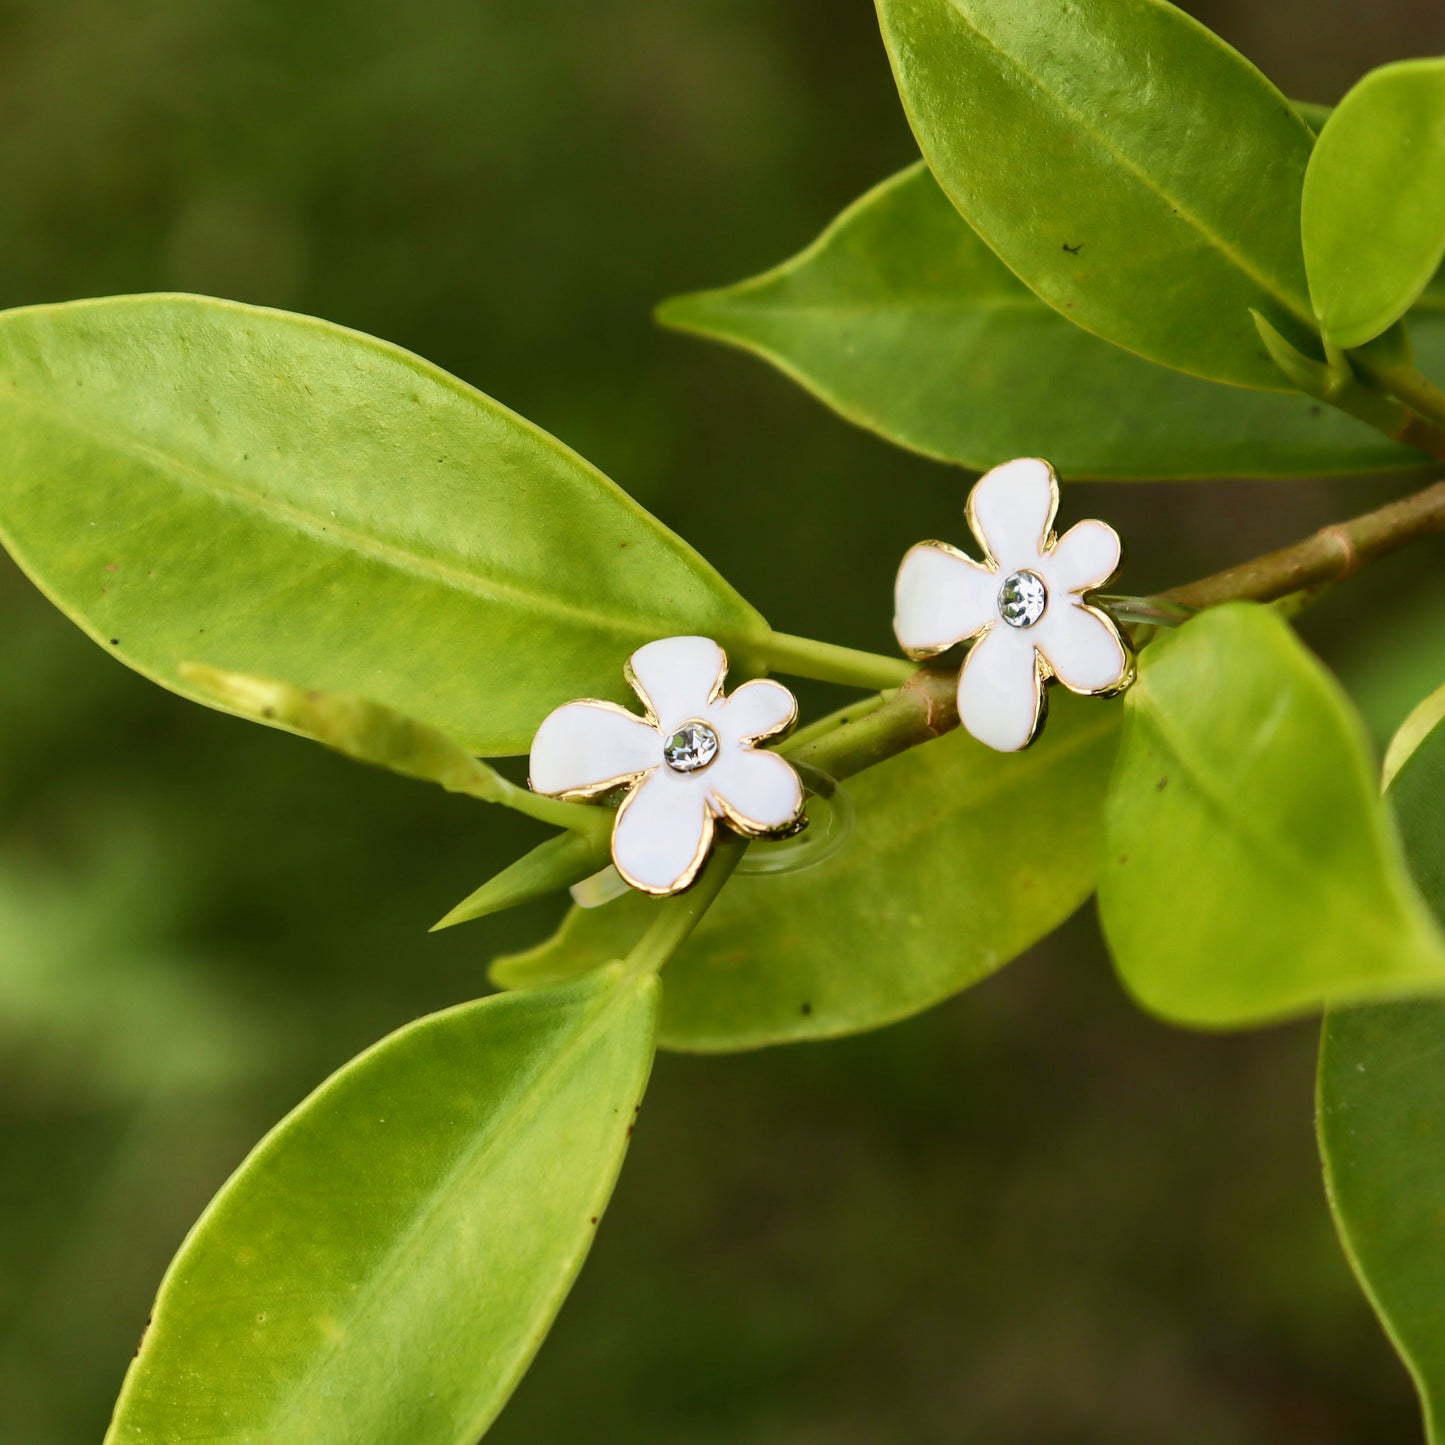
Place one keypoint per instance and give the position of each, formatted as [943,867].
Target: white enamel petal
[677,677]
[756,710]
[1011,510]
[584,748]
[940,598]
[1086,556]
[1081,647]
[999,692]
[663,832]
[758,792]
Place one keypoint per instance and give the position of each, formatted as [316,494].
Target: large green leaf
[386,1263]
[1373,213]
[960,858]
[1250,871]
[1382,1116]
[902,320]
[198,480]
[1132,169]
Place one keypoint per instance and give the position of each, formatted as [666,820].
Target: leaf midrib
[189,474]
[1177,204]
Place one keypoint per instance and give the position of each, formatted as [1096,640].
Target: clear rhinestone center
[1022,598]
[692,746]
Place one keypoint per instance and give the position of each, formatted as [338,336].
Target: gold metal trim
[689,874]
[922,654]
[1046,537]
[594,791]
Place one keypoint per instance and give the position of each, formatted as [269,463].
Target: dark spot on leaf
[1162,784]
[111,566]
[268,712]
[115,642]
[144,1332]
[1073,250]
[1123,858]
[594,1219]
[630,1128]
[622,544]
[805,1009]
[1316,409]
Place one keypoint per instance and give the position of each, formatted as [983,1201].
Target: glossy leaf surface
[386,1263]
[904,322]
[551,866]
[271,494]
[1132,169]
[960,859]
[1250,872]
[1373,215]
[1382,1116]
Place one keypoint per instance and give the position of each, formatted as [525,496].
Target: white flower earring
[691,761]
[1025,606]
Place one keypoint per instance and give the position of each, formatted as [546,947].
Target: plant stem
[1331,555]
[925,707]
[798,743]
[1418,392]
[827,662]
[677,917]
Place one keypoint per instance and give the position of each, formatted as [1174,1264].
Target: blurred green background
[1031,1217]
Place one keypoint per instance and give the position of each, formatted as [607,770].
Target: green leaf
[904,322]
[189,478]
[960,859]
[558,863]
[1416,788]
[386,1263]
[1381,1121]
[1250,872]
[1373,214]
[1133,170]
[1416,728]
[1382,1113]
[1312,113]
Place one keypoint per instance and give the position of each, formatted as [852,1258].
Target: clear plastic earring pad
[830,824]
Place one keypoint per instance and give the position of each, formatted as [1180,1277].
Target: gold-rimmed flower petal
[1082,648]
[940,599]
[1011,511]
[757,710]
[1000,691]
[586,748]
[663,832]
[758,793]
[677,677]
[1086,556]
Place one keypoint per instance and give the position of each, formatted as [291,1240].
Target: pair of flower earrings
[695,759]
